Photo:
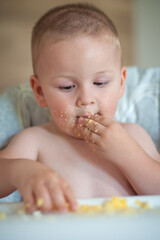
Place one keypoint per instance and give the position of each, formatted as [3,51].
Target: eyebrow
[102,72]
[72,76]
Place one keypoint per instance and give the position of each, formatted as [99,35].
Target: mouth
[88,115]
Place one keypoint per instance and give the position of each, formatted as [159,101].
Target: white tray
[139,225]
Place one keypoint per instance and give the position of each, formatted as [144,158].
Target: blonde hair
[72,19]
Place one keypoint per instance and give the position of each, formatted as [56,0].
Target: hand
[42,188]
[111,140]
[107,137]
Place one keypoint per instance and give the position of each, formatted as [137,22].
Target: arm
[17,148]
[20,170]
[139,161]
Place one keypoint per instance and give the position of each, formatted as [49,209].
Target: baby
[82,152]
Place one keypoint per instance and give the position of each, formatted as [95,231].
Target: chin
[73,133]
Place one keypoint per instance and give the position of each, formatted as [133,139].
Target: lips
[88,115]
[85,116]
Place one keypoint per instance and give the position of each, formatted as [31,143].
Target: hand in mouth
[88,115]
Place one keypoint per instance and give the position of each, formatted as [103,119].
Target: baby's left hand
[107,137]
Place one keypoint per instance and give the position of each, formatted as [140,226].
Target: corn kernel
[115,204]
[90,121]
[96,208]
[21,212]
[143,204]
[3,216]
[39,202]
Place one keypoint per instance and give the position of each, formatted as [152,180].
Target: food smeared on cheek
[63,116]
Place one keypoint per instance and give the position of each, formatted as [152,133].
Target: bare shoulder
[142,138]
[24,144]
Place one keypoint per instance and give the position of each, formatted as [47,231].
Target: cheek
[62,114]
[61,108]
[109,106]
[113,107]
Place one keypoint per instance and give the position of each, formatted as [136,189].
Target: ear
[123,81]
[38,92]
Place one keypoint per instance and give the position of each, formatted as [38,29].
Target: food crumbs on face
[91,112]
[90,121]
[39,202]
[73,123]
[95,123]
[3,216]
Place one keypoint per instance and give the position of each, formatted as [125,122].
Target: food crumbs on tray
[3,216]
[39,202]
[21,212]
[144,205]
[37,214]
[111,206]
[115,204]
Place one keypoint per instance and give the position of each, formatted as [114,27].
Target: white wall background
[146,33]
[137,21]
[17,18]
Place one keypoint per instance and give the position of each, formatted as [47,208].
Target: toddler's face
[80,76]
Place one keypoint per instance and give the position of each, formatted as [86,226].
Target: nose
[85,98]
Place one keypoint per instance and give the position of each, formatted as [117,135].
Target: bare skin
[84,153]
[88,169]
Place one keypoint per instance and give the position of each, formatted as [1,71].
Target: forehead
[51,39]
[79,49]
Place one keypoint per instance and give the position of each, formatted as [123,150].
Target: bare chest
[88,174]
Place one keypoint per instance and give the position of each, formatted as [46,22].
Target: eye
[67,88]
[101,84]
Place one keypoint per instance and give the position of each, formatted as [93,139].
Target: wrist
[17,169]
[13,166]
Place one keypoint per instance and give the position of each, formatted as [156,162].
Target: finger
[102,120]
[58,199]
[70,197]
[92,126]
[28,199]
[43,200]
[90,136]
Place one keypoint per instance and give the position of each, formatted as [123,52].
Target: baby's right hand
[42,188]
